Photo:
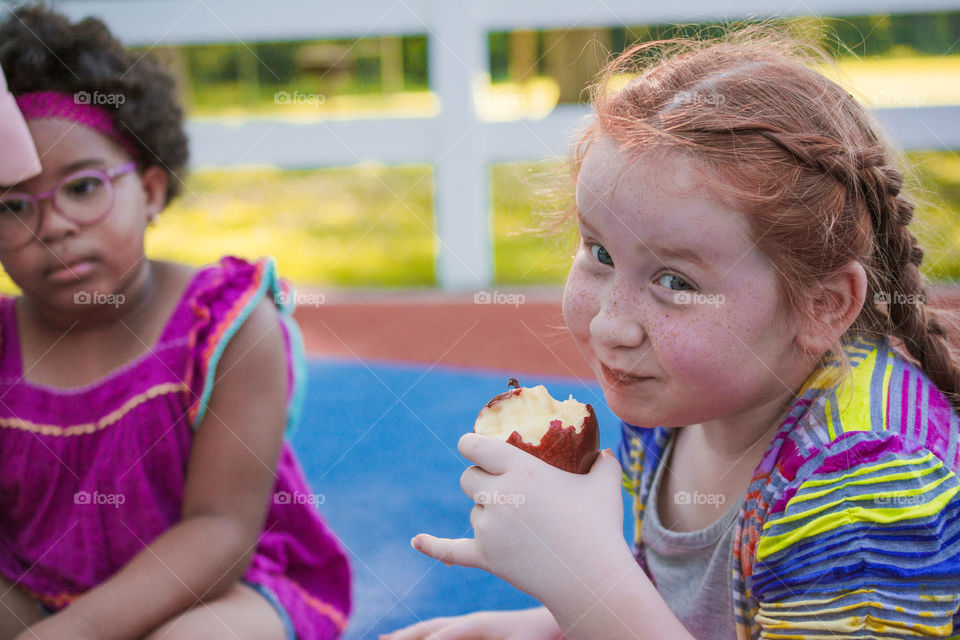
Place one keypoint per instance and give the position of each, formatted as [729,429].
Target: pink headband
[74,108]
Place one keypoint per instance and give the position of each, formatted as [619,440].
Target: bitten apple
[563,434]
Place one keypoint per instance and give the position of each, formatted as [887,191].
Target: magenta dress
[90,475]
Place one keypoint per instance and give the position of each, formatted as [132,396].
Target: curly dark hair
[41,50]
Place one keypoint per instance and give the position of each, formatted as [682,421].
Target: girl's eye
[600,255]
[673,280]
[83,187]
[14,206]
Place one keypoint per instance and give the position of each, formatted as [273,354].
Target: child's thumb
[606,465]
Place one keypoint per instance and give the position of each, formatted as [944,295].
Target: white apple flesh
[562,433]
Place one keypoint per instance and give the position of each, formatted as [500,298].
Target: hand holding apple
[552,534]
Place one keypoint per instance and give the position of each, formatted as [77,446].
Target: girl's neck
[134,295]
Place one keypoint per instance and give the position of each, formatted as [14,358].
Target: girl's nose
[618,323]
[53,224]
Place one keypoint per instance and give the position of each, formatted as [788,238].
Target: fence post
[457,62]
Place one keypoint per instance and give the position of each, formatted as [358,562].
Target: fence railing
[458,144]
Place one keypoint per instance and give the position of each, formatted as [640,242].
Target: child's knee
[241,613]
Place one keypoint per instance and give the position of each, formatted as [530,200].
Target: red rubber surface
[449,329]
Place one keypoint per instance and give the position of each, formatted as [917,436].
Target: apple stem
[512,382]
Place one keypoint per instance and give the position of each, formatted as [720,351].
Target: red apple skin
[562,446]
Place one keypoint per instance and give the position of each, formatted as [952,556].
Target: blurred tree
[498,56]
[523,55]
[573,58]
[331,64]
[391,64]
[415,76]
[927,33]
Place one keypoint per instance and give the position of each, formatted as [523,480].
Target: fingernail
[415,543]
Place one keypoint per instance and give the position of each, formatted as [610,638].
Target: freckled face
[673,339]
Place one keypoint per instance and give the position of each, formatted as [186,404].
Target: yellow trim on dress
[104,422]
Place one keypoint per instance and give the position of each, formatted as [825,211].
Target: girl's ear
[154,181]
[832,310]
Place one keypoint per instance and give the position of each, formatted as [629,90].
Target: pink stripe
[863,452]
[904,387]
[938,417]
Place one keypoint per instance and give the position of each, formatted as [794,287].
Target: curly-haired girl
[146,488]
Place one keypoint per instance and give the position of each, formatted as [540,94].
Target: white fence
[458,144]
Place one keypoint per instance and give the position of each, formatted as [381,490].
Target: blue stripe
[924,414]
[952,447]
[877,391]
[895,408]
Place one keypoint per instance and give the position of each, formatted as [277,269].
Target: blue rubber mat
[378,441]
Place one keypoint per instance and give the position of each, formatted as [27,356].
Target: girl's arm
[230,478]
[557,536]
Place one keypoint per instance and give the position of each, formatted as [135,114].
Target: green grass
[362,226]
[525,252]
[937,218]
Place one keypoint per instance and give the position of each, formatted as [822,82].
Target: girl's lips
[618,378]
[72,272]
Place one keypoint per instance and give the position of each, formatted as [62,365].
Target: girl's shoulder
[221,298]
[860,489]
[885,406]
[232,276]
[220,292]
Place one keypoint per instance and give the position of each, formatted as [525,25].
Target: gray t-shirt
[693,570]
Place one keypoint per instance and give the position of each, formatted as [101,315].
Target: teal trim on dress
[268,281]
[299,363]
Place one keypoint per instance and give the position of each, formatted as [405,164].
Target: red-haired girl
[748,293]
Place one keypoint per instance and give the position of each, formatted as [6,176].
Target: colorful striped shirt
[850,526]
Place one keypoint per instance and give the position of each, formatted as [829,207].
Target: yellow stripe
[823,378]
[853,625]
[885,389]
[864,470]
[102,423]
[853,397]
[863,496]
[894,476]
[847,607]
[868,621]
[828,415]
[770,545]
[846,594]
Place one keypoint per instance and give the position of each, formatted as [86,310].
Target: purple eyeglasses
[85,197]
